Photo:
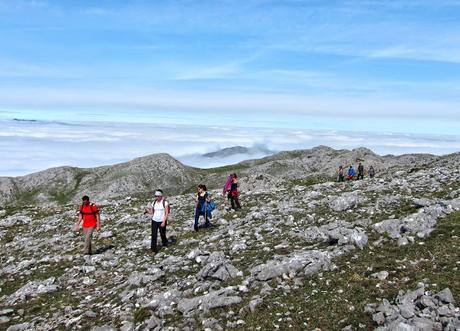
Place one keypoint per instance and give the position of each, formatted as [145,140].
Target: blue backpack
[211,206]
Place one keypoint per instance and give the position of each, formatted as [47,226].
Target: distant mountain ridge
[230,151]
[142,175]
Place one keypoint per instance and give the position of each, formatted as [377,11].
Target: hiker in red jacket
[89,213]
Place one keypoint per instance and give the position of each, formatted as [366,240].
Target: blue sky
[362,66]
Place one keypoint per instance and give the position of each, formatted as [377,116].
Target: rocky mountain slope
[63,184]
[305,252]
[142,175]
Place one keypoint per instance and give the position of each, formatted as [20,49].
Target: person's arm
[165,216]
[98,220]
[77,224]
[149,209]
[206,204]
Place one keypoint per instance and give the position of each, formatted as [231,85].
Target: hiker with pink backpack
[231,189]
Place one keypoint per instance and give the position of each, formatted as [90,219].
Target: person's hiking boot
[195,228]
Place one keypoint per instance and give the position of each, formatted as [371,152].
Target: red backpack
[93,212]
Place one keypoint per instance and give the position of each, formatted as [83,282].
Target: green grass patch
[7,236]
[231,168]
[140,315]
[310,181]
[447,189]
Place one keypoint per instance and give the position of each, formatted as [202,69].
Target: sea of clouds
[29,146]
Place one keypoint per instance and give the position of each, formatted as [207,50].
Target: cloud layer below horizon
[30,146]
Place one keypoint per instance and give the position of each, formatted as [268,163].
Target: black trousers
[198,213]
[235,202]
[155,227]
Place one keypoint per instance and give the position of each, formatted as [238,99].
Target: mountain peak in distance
[235,150]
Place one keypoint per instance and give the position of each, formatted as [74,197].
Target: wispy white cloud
[225,101]
[442,52]
[228,69]
[18,69]
[208,72]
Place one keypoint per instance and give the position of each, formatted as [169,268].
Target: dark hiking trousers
[235,202]
[198,213]
[155,227]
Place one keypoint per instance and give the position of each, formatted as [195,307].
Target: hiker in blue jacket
[351,173]
[201,206]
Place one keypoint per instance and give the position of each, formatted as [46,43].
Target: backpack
[228,183]
[211,206]
[92,210]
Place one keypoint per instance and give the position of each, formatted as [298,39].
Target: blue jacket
[351,172]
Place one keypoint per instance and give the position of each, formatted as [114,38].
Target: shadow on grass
[103,249]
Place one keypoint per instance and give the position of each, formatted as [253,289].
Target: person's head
[351,166]
[158,194]
[201,188]
[234,175]
[340,167]
[85,199]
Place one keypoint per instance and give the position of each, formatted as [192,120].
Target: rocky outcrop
[417,310]
[216,299]
[32,289]
[420,224]
[217,267]
[303,262]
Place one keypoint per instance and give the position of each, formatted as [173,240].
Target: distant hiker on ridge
[351,173]
[371,172]
[360,171]
[160,212]
[340,177]
[89,213]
